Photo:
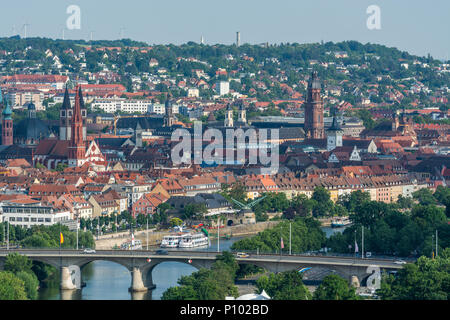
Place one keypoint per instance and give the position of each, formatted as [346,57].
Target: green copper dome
[7,112]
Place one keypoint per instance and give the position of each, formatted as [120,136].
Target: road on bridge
[209,255]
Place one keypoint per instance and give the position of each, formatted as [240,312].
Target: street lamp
[147,230]
[77,230]
[7,235]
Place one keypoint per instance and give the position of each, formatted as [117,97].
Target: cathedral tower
[77,147]
[314,127]
[7,124]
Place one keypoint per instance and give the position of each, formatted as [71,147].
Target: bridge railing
[208,253]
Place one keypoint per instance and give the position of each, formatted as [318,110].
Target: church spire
[77,148]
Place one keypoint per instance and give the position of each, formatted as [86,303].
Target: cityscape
[240,171]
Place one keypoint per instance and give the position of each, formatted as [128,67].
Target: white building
[26,215]
[158,108]
[123,105]
[223,87]
[193,93]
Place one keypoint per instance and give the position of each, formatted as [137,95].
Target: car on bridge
[88,250]
[242,255]
[400,262]
[162,252]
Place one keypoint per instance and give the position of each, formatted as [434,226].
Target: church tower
[334,135]
[65,116]
[168,119]
[229,118]
[138,135]
[77,147]
[314,127]
[7,124]
[242,116]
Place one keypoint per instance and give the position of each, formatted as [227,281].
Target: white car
[88,250]
[242,255]
[399,262]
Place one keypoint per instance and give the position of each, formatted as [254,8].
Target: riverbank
[109,241]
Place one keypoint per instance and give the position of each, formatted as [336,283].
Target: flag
[282,244]
[61,238]
[356,247]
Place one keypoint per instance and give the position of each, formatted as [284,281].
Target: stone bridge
[141,263]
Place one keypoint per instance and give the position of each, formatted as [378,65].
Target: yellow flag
[61,238]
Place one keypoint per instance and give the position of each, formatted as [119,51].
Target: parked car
[368,254]
[88,250]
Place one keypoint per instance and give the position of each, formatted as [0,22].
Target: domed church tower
[314,127]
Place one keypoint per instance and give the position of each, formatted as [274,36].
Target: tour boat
[340,223]
[193,240]
[171,241]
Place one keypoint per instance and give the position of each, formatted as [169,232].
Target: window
[33,219]
[48,220]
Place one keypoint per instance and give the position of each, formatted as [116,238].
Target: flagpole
[362,243]
[290,238]
[218,234]
[60,238]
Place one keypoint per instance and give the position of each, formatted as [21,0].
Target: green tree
[11,287]
[334,287]
[284,286]
[426,279]
[31,284]
[324,205]
[354,199]
[16,263]
[176,222]
[194,210]
[214,284]
[424,196]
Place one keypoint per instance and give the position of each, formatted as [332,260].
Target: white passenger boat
[185,240]
[171,241]
[194,240]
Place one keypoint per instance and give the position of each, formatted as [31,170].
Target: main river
[110,281]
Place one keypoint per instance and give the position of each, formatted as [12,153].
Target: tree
[284,286]
[334,287]
[194,210]
[404,202]
[426,279]
[214,284]
[16,263]
[31,284]
[368,213]
[354,199]
[324,205]
[306,236]
[424,196]
[11,287]
[176,222]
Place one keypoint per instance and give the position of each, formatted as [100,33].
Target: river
[107,280]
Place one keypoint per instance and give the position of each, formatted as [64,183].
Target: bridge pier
[137,284]
[66,280]
[354,281]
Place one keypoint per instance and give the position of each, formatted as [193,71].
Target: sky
[417,26]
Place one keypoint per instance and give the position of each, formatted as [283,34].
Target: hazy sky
[416,26]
